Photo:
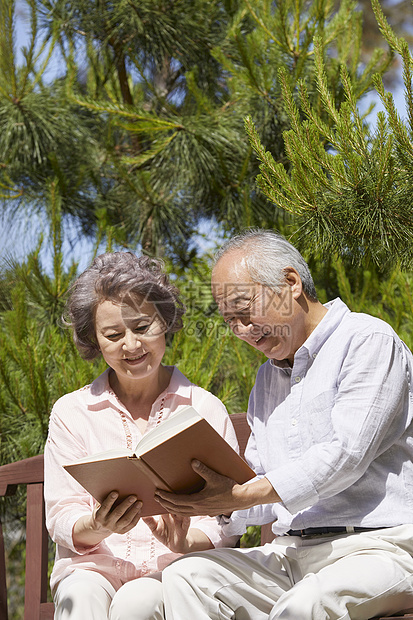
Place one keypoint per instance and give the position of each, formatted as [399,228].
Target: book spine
[151,474]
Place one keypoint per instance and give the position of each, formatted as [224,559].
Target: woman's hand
[107,519]
[173,531]
[170,530]
[119,519]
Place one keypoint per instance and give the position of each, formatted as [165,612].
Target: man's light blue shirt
[333,434]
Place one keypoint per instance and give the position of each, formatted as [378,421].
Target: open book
[162,459]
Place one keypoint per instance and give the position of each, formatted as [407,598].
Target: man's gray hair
[267,255]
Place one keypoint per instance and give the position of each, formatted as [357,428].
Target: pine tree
[145,124]
[346,185]
[42,135]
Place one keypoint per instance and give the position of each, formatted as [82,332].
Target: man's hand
[220,495]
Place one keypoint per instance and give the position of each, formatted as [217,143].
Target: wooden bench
[29,472]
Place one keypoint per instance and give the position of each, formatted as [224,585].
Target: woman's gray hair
[120,277]
[267,255]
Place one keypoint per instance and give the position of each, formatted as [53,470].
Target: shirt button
[293,422]
[314,355]
[297,379]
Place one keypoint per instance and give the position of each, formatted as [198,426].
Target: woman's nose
[131,341]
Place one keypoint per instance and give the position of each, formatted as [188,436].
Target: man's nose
[248,331]
[241,329]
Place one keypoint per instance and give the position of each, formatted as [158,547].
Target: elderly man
[331,444]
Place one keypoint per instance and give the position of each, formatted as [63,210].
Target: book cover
[161,460]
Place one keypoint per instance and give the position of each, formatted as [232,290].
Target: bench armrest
[27,471]
[30,473]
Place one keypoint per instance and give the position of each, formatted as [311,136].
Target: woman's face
[131,338]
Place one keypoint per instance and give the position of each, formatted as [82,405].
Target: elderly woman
[109,561]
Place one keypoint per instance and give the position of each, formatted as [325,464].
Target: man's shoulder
[361,329]
[363,323]
[344,318]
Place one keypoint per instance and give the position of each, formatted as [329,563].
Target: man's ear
[293,280]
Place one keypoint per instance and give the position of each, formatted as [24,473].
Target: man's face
[269,322]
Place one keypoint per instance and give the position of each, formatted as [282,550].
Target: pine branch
[322,82]
[407,80]
[260,22]
[403,141]
[395,42]
[7,49]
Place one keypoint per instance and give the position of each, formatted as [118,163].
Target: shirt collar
[179,384]
[99,390]
[337,309]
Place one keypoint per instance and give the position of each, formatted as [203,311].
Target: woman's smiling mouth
[136,359]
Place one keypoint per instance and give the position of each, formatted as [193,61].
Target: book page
[172,460]
[101,456]
[182,419]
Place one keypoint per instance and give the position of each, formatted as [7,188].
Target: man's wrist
[258,492]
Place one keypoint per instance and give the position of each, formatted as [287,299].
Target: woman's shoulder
[83,395]
[71,401]
[204,402]
[181,383]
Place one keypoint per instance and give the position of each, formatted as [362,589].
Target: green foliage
[346,186]
[252,537]
[38,362]
[389,298]
[145,122]
[42,136]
